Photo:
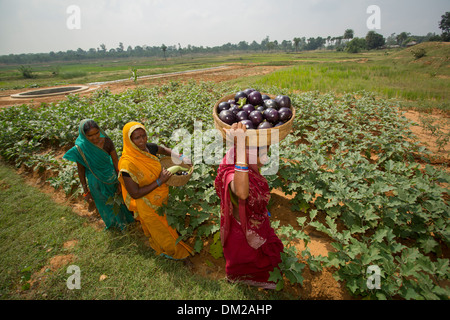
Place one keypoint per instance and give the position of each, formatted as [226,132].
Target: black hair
[90,124]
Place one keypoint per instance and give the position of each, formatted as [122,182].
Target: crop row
[350,164]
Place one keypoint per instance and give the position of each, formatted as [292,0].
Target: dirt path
[317,285]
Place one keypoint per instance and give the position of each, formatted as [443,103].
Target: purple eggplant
[234,108]
[227,116]
[271,115]
[242,115]
[248,124]
[249,90]
[265,125]
[260,108]
[223,106]
[283,101]
[256,117]
[255,98]
[285,114]
[248,108]
[240,95]
[271,103]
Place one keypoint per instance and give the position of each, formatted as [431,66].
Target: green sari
[101,176]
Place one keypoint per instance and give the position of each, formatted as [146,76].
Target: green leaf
[380,234]
[198,246]
[301,221]
[355,207]
[215,249]
[428,245]
[275,275]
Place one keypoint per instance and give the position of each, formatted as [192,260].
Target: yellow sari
[144,168]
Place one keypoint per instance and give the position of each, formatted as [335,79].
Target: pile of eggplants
[255,110]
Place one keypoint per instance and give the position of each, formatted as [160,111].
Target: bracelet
[86,194]
[158,182]
[241,169]
[243,163]
[181,157]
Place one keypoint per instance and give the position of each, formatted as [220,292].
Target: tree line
[346,42]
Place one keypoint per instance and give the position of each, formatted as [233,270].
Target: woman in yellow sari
[144,190]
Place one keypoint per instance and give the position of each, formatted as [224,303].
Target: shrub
[27,72]
[419,53]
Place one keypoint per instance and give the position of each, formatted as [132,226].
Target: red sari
[251,250]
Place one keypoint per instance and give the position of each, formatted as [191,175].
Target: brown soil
[316,285]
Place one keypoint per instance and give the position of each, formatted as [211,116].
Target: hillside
[437,56]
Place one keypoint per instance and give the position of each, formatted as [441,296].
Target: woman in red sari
[250,245]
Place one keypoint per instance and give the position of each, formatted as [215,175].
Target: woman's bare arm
[137,192]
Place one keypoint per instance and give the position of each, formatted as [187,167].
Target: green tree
[296,43]
[401,38]
[356,45]
[348,34]
[444,25]
[270,45]
[164,49]
[102,48]
[374,40]
[243,45]
[264,43]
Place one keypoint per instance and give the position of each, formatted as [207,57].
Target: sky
[38,26]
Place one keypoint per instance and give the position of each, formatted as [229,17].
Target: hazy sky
[32,26]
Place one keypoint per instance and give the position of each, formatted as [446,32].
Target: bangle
[181,157]
[158,182]
[243,163]
[86,194]
[241,169]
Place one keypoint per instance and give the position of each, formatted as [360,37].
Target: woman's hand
[164,175]
[185,160]
[237,131]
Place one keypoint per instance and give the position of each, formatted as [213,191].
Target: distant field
[420,83]
[49,74]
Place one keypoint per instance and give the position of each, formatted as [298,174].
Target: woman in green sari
[97,160]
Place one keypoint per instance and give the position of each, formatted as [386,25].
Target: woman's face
[93,135]
[139,138]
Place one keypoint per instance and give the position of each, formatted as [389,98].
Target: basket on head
[176,180]
[259,137]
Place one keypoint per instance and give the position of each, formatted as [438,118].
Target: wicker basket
[176,180]
[259,137]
